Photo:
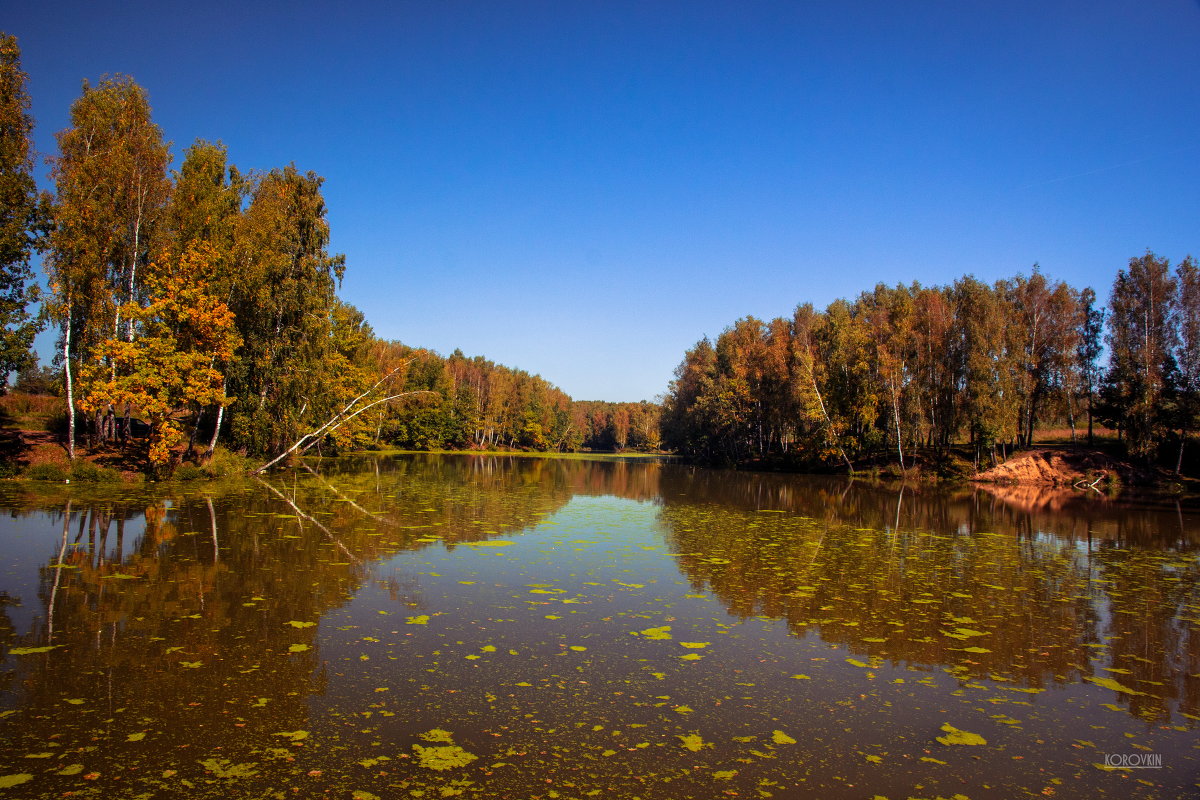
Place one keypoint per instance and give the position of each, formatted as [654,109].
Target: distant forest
[917,368]
[203,301]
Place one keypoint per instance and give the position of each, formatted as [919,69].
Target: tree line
[913,368]
[201,302]
[456,402]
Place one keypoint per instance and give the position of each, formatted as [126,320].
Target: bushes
[46,472]
[225,464]
[87,472]
[80,471]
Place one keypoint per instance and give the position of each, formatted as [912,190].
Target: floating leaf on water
[694,645]
[1109,683]
[957,736]
[136,737]
[692,741]
[779,737]
[297,648]
[801,677]
[553,616]
[968,632]
[490,543]
[874,759]
[683,709]
[295,736]
[654,633]
[422,619]
[438,735]
[929,760]
[73,769]
[443,757]
[724,774]
[855,662]
[75,701]
[577,648]
[28,651]
[360,794]
[298,624]
[191,664]
[9,781]
[224,768]
[691,657]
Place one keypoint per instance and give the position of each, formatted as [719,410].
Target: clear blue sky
[584,189]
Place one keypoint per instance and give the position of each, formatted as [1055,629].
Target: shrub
[226,464]
[190,472]
[46,472]
[87,472]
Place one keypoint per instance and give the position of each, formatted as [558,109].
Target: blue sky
[584,189]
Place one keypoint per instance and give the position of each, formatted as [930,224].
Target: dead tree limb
[348,413]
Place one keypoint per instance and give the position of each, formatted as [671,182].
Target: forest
[198,306]
[907,369]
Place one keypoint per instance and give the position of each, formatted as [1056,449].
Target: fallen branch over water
[339,419]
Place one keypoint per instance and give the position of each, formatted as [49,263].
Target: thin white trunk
[212,443]
[70,385]
[896,416]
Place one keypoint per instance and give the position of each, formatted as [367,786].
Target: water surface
[438,626]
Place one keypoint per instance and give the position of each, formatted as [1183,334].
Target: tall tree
[21,214]
[1188,351]
[111,185]
[284,301]
[1141,343]
[1090,346]
[176,365]
[205,207]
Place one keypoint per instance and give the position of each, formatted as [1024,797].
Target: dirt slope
[1059,467]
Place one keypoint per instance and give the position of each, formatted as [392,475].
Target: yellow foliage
[177,363]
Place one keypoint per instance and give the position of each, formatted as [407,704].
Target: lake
[514,627]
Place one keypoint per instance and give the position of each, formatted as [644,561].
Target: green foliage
[22,214]
[46,472]
[226,464]
[87,472]
[289,377]
[190,472]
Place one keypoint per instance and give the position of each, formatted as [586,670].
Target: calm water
[436,626]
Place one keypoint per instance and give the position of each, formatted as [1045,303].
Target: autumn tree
[111,186]
[1187,324]
[22,215]
[205,207]
[175,365]
[1141,342]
